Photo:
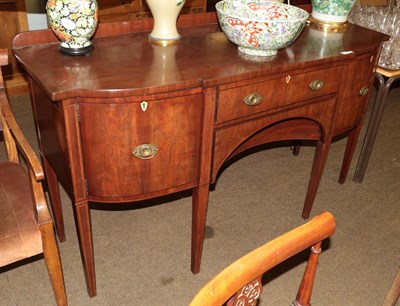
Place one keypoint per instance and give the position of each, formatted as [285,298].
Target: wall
[36,10]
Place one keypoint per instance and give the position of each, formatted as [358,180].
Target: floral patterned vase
[165,13]
[74,23]
[334,11]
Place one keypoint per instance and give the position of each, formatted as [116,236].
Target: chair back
[240,283]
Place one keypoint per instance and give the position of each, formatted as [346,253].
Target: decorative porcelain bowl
[260,27]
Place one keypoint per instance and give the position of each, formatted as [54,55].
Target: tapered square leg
[199,212]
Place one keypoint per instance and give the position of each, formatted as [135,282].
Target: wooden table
[133,121]
[385,78]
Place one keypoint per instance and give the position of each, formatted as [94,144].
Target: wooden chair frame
[16,146]
[240,282]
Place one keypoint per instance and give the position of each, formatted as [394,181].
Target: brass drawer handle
[316,85]
[253,99]
[364,91]
[145,151]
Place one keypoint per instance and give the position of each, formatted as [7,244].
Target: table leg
[83,228]
[320,157]
[55,199]
[373,125]
[199,212]
[296,147]
[348,153]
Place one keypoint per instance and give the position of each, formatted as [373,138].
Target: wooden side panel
[351,105]
[49,119]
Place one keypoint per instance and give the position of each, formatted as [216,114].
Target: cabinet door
[112,131]
[357,83]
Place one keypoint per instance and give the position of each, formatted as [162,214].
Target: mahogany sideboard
[133,121]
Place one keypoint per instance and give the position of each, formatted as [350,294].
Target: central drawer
[243,99]
[135,148]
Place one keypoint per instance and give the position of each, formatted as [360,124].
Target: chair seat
[19,234]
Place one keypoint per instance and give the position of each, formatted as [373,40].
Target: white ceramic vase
[165,13]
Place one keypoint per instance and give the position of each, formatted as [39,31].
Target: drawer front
[256,97]
[313,84]
[132,150]
[246,100]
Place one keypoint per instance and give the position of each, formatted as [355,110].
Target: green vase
[335,11]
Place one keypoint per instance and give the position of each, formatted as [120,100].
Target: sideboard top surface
[124,63]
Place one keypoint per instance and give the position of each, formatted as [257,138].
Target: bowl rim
[219,4]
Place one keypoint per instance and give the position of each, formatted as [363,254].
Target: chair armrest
[23,145]
[254,264]
[43,213]
[17,143]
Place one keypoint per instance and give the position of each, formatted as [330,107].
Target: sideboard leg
[55,200]
[296,147]
[321,154]
[199,212]
[83,228]
[348,153]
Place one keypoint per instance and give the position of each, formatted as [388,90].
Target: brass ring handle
[253,99]
[316,85]
[364,91]
[145,151]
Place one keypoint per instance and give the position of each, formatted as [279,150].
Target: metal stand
[386,79]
